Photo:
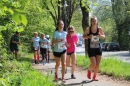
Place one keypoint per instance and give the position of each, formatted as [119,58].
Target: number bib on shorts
[36,48]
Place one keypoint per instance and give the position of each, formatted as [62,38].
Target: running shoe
[89,74]
[56,77]
[94,78]
[73,77]
[63,80]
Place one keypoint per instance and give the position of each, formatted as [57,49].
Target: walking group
[64,48]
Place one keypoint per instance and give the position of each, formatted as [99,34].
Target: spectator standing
[14,44]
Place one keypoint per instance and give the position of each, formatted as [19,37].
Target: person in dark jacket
[14,44]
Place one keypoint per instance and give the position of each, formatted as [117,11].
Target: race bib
[60,46]
[35,48]
[42,45]
[94,43]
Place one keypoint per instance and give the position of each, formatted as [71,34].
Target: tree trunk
[85,23]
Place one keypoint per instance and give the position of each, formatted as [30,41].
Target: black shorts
[14,48]
[59,54]
[70,53]
[36,48]
[94,52]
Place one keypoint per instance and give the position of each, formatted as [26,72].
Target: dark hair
[58,24]
[16,32]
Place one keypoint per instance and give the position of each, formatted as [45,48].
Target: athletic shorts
[59,54]
[14,48]
[70,53]
[36,48]
[94,52]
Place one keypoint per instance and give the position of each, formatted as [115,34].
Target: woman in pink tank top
[72,40]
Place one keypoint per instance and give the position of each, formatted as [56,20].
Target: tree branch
[54,9]
[54,18]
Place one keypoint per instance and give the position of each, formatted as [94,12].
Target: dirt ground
[81,77]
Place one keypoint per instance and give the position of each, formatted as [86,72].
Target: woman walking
[93,34]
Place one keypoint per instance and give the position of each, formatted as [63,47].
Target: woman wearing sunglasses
[72,40]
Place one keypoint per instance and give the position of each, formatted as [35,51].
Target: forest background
[28,16]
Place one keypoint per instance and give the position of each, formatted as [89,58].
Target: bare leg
[98,59]
[48,55]
[73,62]
[68,61]
[93,63]
[63,60]
[34,55]
[57,60]
[16,55]
[38,55]
[92,66]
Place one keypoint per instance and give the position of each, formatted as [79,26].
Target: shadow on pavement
[81,84]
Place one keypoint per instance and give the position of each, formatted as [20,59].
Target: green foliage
[21,73]
[82,61]
[115,68]
[105,20]
[109,66]
[77,21]
[19,18]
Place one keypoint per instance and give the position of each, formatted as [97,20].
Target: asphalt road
[122,55]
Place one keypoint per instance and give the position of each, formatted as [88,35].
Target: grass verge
[21,73]
[109,66]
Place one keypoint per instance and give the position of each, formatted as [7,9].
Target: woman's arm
[86,32]
[101,33]
[54,41]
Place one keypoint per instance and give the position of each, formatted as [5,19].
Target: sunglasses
[71,31]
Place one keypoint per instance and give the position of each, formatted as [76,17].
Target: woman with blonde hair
[36,47]
[72,41]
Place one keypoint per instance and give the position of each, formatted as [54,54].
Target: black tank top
[93,43]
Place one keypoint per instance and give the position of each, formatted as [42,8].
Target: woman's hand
[90,36]
[61,40]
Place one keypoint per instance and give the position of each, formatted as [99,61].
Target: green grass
[109,66]
[21,73]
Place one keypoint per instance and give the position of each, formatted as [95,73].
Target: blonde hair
[71,27]
[35,32]
[42,34]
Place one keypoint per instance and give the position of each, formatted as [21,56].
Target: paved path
[81,79]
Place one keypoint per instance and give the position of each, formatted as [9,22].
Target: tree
[61,10]
[12,19]
[104,13]
[85,18]
[121,16]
